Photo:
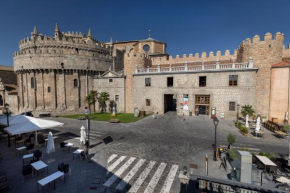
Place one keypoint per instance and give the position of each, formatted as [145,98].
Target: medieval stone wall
[131,60]
[264,53]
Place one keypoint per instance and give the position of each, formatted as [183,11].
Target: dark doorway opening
[169,103]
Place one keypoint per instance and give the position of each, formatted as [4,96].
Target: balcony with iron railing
[195,67]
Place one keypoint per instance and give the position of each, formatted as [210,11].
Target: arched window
[1,100]
[75,82]
[32,82]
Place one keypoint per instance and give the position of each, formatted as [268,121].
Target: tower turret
[57,33]
[90,34]
[35,32]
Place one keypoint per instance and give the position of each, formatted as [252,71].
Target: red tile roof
[281,64]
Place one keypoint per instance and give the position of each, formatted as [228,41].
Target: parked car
[27,113]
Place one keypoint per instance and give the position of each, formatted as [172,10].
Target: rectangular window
[116,97]
[169,81]
[148,102]
[233,80]
[232,106]
[48,89]
[202,81]
[147,81]
[110,80]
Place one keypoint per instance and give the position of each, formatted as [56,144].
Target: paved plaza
[144,156]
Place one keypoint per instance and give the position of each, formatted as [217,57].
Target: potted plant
[231,140]
[245,131]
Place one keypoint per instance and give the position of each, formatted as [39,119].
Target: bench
[49,179]
[114,121]
[44,114]
[280,133]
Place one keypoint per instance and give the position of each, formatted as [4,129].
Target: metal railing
[198,183]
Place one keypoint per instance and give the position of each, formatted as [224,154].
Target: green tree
[103,98]
[89,100]
[247,110]
[231,140]
[95,95]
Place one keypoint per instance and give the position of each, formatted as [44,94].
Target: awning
[30,124]
[15,119]
[266,161]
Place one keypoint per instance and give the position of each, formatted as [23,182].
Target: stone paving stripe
[169,180]
[116,163]
[154,180]
[116,175]
[95,135]
[112,157]
[142,177]
[130,175]
[98,132]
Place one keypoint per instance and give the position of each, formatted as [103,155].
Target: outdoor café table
[38,166]
[20,149]
[49,179]
[69,145]
[27,156]
[77,152]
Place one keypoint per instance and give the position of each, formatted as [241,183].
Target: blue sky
[188,26]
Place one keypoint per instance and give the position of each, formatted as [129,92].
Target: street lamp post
[215,122]
[88,125]
[6,106]
[238,108]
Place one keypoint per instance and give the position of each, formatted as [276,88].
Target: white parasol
[83,135]
[247,121]
[50,146]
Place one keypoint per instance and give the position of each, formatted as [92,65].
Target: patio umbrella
[258,125]
[30,125]
[15,119]
[50,146]
[83,135]
[286,116]
[247,121]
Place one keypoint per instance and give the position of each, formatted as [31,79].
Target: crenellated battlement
[211,56]
[268,38]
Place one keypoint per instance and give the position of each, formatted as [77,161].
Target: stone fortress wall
[56,73]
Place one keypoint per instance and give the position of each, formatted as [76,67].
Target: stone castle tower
[264,53]
[56,73]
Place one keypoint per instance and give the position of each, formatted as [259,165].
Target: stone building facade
[56,73]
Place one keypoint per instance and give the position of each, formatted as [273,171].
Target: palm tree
[94,94]
[90,100]
[247,110]
[103,97]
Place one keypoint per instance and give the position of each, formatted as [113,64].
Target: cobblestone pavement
[153,149]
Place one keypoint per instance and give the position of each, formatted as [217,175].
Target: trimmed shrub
[233,155]
[231,139]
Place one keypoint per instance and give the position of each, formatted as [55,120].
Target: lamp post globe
[215,122]
[6,106]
